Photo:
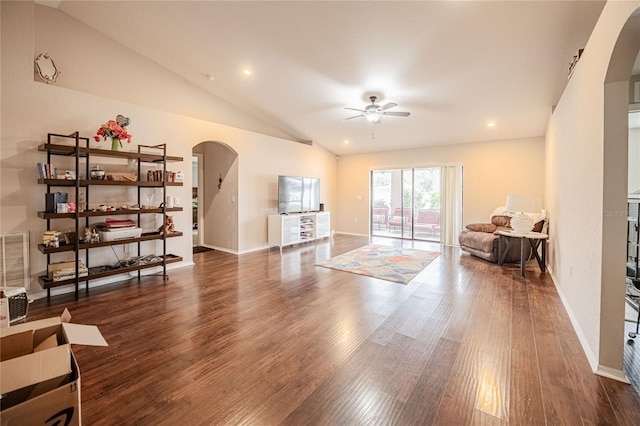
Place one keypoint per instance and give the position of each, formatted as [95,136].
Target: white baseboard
[109,280]
[612,373]
[223,249]
[592,358]
[600,370]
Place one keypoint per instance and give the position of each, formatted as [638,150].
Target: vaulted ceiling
[455,65]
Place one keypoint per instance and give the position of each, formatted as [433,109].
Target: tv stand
[288,229]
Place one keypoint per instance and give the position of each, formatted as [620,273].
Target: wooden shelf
[46,215]
[92,182]
[147,236]
[100,272]
[75,147]
[70,150]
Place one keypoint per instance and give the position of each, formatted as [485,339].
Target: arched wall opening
[217,196]
[614,192]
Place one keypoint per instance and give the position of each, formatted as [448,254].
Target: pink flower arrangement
[111,129]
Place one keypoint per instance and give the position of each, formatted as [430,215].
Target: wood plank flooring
[268,339]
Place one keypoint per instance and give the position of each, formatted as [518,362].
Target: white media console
[284,230]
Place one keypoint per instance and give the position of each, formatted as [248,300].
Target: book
[119,223]
[42,171]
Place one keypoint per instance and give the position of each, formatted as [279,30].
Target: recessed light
[247,71]
[211,77]
[346,141]
[491,124]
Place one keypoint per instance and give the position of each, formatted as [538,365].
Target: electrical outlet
[570,270]
[355,219]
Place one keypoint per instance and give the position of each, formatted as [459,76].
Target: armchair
[428,221]
[401,217]
[380,217]
[481,239]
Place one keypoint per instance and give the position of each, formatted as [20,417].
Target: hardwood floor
[267,339]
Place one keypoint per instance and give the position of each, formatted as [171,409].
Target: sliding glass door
[426,188]
[406,203]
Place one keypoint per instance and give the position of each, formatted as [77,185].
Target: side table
[534,239]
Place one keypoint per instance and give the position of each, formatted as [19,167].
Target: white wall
[31,109]
[585,194]
[491,170]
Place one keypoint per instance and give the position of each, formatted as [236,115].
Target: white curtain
[451,204]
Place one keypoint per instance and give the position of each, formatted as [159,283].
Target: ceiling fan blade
[354,109]
[355,116]
[388,105]
[397,114]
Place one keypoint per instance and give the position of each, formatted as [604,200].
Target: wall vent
[14,260]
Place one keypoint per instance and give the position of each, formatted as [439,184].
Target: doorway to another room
[196,173]
[632,281]
[214,197]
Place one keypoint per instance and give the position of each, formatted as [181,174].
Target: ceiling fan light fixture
[372,116]
[373,113]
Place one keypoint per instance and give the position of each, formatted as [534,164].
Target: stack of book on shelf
[60,271]
[118,229]
[45,172]
[156,176]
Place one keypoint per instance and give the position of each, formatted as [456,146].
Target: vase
[116,145]
[522,223]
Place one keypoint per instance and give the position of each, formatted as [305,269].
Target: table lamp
[518,205]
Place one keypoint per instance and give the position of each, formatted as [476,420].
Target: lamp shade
[521,204]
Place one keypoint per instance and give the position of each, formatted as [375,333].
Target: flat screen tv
[298,194]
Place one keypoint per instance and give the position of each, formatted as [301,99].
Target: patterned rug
[399,265]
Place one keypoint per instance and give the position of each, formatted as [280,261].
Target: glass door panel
[426,203]
[381,202]
[397,214]
[405,203]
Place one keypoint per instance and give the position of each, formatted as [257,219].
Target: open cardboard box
[39,376]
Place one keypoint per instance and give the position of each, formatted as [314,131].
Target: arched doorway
[215,190]
[615,178]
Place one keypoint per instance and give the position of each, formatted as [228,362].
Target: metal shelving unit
[81,152]
[633,254]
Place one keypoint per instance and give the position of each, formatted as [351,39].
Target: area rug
[399,265]
[201,249]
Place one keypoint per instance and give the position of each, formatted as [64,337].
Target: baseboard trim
[591,357]
[600,370]
[612,373]
[223,249]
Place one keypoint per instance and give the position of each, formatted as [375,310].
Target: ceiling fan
[373,113]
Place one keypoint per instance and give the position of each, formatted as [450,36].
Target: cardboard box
[39,376]
[4,312]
